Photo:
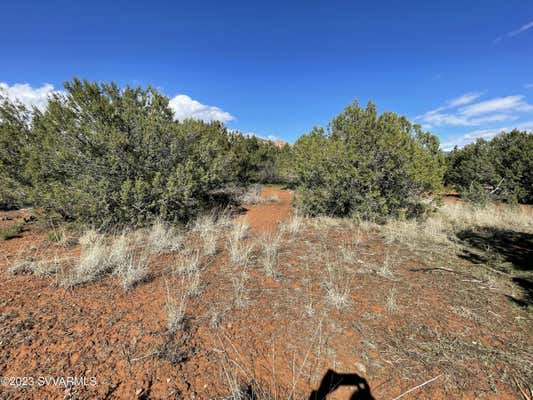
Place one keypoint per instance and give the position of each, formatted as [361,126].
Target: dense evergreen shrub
[257,160]
[366,165]
[254,159]
[15,136]
[501,168]
[106,155]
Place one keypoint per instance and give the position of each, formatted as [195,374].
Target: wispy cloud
[466,98]
[184,107]
[528,85]
[516,32]
[463,111]
[27,95]
[461,140]
[501,104]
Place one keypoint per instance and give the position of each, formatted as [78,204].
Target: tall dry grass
[449,219]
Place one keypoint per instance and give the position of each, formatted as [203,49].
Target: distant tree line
[498,169]
[107,155]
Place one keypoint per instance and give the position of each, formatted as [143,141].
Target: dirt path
[267,217]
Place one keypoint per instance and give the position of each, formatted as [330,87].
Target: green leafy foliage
[501,168]
[106,155]
[11,232]
[257,160]
[15,135]
[366,165]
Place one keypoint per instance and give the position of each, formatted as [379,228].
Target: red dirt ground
[267,217]
[284,338]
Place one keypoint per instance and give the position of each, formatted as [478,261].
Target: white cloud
[470,137]
[462,111]
[466,98]
[184,107]
[272,138]
[27,95]
[523,28]
[500,104]
[518,31]
[528,85]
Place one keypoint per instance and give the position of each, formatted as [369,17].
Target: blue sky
[464,69]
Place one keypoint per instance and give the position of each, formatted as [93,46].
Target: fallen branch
[522,391]
[145,356]
[417,387]
[435,269]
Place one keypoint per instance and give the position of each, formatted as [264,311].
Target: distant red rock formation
[280,143]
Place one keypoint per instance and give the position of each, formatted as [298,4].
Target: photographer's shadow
[332,381]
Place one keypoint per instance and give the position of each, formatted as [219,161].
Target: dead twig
[522,391]
[417,387]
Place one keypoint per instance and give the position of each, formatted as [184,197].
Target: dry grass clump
[413,232]
[162,239]
[41,268]
[133,269]
[294,225]
[270,244]
[123,255]
[385,269]
[188,263]
[238,280]
[176,307]
[240,251]
[189,267]
[391,302]
[439,227]
[209,227]
[337,285]
[93,263]
[501,216]
[11,232]
[89,237]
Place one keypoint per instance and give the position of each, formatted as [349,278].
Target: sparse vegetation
[163,238]
[441,226]
[270,244]
[176,307]
[294,225]
[11,232]
[209,227]
[240,251]
[337,285]
[133,269]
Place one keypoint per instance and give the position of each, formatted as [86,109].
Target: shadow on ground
[506,250]
[332,380]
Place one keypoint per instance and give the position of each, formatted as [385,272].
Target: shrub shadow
[511,246]
[499,248]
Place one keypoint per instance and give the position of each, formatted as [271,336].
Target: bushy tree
[501,168]
[366,165]
[15,136]
[256,160]
[108,155]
